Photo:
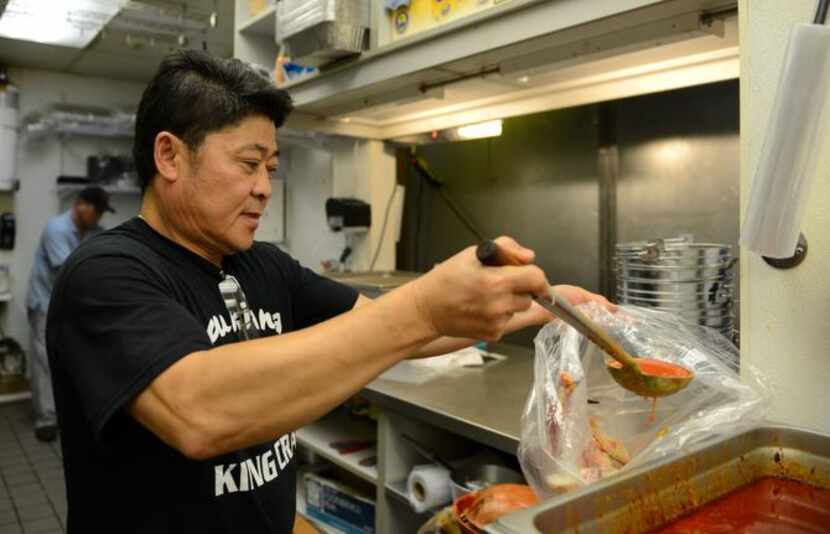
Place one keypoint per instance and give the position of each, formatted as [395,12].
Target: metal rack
[66,189]
[63,119]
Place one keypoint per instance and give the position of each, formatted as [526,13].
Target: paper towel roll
[428,486]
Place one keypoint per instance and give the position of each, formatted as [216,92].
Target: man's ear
[168,152]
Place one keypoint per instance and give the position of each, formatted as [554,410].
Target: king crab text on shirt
[252,473]
[218,326]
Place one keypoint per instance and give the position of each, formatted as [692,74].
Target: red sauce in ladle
[656,368]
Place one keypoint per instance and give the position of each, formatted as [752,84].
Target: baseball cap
[96,197]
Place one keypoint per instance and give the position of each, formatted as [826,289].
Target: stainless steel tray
[648,497]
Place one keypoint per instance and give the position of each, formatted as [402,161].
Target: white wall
[785,315]
[39,163]
[308,183]
[342,167]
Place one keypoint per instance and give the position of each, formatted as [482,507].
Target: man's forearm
[245,393]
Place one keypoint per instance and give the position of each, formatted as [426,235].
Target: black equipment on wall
[350,214]
[7,231]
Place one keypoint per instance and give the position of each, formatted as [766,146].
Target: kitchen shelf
[262,23]
[64,120]
[65,130]
[517,58]
[6,398]
[318,437]
[322,527]
[9,186]
[397,489]
[113,190]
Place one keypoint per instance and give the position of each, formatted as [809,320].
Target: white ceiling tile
[110,56]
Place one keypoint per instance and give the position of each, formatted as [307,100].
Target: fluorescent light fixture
[672,151]
[72,23]
[482,129]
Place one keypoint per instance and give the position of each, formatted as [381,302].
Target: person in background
[62,235]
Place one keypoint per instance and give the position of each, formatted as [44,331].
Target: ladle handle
[489,253]
[585,326]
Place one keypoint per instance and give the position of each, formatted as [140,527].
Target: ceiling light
[523,79]
[482,129]
[67,23]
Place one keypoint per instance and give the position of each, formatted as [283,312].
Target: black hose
[438,185]
[821,12]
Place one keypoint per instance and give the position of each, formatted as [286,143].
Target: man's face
[226,184]
[88,216]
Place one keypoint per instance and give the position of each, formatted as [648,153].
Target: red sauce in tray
[767,506]
[656,368]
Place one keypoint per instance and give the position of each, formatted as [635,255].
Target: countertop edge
[446,421]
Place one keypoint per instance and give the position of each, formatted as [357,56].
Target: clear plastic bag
[580,426]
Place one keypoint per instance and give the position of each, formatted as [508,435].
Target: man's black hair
[193,94]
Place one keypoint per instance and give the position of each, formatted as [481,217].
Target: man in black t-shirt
[184,355]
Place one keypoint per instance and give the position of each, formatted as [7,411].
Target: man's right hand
[462,298]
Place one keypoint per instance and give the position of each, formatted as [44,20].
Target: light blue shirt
[58,240]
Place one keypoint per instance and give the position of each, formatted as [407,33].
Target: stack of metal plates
[692,280]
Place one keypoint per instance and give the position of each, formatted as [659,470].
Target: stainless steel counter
[374,283]
[483,404]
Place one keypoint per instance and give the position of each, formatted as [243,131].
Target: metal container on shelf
[692,280]
[317,32]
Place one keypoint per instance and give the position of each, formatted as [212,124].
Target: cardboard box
[415,16]
[255,7]
[337,505]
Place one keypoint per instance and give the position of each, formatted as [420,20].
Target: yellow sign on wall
[420,15]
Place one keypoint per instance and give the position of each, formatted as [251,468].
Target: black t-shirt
[128,304]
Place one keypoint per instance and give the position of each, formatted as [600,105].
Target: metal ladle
[626,370]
